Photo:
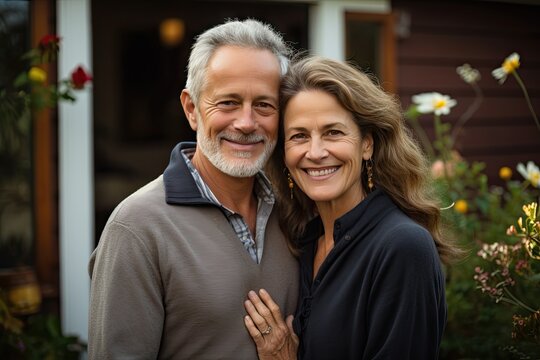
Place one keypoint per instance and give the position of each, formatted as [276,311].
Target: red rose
[79,78]
[49,40]
[48,47]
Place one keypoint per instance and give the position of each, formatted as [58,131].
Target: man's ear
[189,108]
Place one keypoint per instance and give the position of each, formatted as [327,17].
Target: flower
[468,73]
[30,90]
[23,94]
[79,78]
[437,169]
[528,230]
[434,102]
[461,206]
[505,173]
[530,173]
[530,210]
[48,40]
[46,50]
[510,64]
[523,326]
[37,75]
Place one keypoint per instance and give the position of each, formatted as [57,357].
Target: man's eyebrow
[267,98]
[228,95]
[237,96]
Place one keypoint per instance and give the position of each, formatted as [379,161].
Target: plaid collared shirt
[265,203]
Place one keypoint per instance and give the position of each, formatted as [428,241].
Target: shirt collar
[363,216]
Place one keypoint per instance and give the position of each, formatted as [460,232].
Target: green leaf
[21,80]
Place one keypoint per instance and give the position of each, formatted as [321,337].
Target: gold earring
[291,184]
[369,165]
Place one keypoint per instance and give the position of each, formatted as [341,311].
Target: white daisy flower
[433,102]
[510,64]
[530,173]
[469,74]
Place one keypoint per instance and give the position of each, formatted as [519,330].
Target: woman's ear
[367,146]
[189,108]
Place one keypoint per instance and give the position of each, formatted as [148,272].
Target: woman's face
[324,149]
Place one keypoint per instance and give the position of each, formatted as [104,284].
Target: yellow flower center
[535,178]
[510,65]
[440,103]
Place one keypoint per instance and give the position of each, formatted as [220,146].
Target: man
[177,258]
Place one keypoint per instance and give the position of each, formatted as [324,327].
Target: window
[369,42]
[16,212]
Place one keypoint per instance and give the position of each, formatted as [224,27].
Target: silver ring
[267,331]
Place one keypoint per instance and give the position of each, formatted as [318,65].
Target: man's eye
[265,108]
[227,103]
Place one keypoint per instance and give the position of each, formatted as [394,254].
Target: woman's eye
[334,132]
[298,136]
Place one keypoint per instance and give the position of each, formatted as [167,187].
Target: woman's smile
[321,172]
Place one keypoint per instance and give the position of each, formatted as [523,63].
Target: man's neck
[232,192]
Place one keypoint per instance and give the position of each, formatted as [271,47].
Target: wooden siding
[446,34]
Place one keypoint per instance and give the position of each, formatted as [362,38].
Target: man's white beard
[237,167]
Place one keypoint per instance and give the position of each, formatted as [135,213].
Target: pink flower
[511,230]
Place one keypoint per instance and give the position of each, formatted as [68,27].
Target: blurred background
[76,161]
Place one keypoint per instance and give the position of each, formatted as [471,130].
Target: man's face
[237,114]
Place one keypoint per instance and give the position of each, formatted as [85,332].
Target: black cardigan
[380,292]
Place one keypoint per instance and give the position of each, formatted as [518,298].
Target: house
[117,136]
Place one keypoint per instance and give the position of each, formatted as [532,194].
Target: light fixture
[171,32]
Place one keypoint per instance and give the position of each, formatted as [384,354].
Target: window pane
[16,216]
[363,42]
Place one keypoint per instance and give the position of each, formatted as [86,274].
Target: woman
[355,201]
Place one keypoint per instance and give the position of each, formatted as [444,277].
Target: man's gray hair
[248,34]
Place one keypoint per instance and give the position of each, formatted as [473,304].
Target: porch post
[76,190]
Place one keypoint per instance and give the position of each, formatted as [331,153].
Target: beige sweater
[169,282]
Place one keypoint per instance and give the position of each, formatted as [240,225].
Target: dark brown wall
[137,82]
[446,34]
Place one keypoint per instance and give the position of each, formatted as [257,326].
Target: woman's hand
[274,338]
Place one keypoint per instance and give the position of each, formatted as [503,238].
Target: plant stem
[469,113]
[526,94]
[423,137]
[517,301]
[508,301]
[445,149]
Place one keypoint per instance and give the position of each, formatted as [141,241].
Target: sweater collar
[180,187]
